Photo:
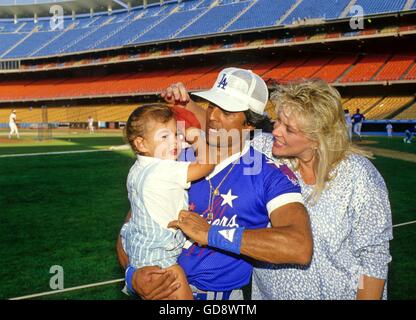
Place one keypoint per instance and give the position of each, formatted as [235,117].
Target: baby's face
[162,140]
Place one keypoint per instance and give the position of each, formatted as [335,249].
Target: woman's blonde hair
[318,112]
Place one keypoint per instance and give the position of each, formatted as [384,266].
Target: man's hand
[176,94]
[154,289]
[193,225]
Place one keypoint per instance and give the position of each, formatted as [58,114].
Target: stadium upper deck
[24,38]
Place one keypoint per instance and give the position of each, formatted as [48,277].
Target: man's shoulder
[273,168]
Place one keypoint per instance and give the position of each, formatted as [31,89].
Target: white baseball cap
[238,90]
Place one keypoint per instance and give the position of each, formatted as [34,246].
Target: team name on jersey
[225,222]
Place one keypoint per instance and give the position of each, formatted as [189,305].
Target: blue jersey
[244,200]
[358,117]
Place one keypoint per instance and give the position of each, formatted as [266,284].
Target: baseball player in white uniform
[12,125]
[91,124]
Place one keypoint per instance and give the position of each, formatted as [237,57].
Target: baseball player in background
[358,119]
[389,129]
[13,125]
[91,124]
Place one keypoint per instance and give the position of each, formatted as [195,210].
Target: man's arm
[178,95]
[288,241]
[142,282]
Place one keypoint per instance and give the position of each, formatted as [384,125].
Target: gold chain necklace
[215,192]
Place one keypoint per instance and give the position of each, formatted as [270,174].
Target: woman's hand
[193,225]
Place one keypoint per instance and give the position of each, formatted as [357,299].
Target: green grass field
[67,210]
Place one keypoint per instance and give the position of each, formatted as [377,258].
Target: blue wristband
[228,239]
[129,278]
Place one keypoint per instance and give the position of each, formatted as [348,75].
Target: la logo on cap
[223,83]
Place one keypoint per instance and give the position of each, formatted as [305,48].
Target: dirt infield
[392,154]
[12,141]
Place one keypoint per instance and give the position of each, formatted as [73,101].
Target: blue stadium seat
[129,33]
[35,40]
[9,26]
[89,41]
[157,22]
[264,13]
[216,18]
[313,9]
[8,40]
[188,5]
[168,27]
[205,4]
[58,45]
[372,7]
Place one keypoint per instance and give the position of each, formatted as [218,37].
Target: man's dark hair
[258,121]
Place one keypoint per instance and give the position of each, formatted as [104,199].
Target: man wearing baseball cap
[231,209]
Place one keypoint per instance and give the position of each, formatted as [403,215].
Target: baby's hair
[136,125]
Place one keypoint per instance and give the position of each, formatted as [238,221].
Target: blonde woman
[346,198]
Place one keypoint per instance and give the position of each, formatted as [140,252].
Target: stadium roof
[28,8]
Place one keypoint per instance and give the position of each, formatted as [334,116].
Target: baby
[156,187]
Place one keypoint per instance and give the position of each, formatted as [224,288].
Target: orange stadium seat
[284,69]
[394,68]
[333,70]
[308,69]
[260,68]
[205,81]
[411,75]
[366,68]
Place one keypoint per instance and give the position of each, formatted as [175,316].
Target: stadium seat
[263,13]
[333,70]
[407,114]
[362,103]
[172,19]
[313,9]
[373,7]
[216,18]
[366,68]
[411,75]
[284,69]
[389,105]
[395,67]
[308,69]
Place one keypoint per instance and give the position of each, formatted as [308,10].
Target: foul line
[404,224]
[50,153]
[98,284]
[93,285]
